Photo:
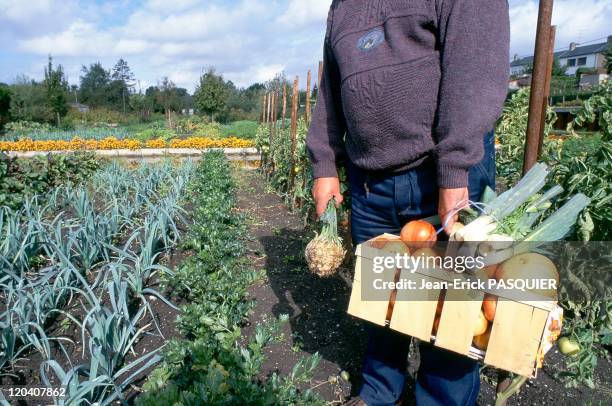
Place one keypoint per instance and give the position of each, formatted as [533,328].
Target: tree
[123,74]
[94,84]
[138,103]
[28,101]
[558,69]
[315,91]
[5,104]
[56,89]
[168,95]
[151,101]
[212,93]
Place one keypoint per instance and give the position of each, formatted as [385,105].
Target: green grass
[242,129]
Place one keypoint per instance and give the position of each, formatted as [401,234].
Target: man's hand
[450,199]
[323,190]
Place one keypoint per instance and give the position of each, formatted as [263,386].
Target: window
[582,61]
[571,62]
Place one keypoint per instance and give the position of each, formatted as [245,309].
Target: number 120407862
[32,392]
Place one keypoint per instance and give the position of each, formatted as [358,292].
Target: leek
[560,223]
[512,199]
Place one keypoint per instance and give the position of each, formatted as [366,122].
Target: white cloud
[80,38]
[577,21]
[197,24]
[300,13]
[25,10]
[173,6]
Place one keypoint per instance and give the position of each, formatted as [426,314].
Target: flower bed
[114,143]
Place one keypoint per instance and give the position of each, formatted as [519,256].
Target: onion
[482,325]
[489,306]
[419,233]
[482,341]
[530,266]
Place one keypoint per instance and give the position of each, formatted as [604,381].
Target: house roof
[586,50]
[528,60]
[578,51]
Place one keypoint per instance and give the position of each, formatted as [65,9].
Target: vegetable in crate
[419,234]
[324,254]
[519,220]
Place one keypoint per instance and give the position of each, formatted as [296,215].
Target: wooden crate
[517,330]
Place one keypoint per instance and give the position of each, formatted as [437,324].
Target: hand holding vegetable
[323,190]
[324,253]
[448,200]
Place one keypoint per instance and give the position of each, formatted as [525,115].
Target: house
[80,107]
[588,56]
[575,57]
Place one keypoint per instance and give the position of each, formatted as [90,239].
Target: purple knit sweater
[405,80]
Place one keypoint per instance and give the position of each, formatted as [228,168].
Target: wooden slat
[515,337]
[458,320]
[415,310]
[374,311]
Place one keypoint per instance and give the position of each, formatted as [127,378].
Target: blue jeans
[383,204]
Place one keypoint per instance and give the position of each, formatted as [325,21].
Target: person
[409,95]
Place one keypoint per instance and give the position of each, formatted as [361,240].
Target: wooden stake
[272,128]
[275,106]
[294,113]
[284,104]
[538,81]
[549,68]
[308,79]
[270,108]
[264,108]
[261,115]
[274,100]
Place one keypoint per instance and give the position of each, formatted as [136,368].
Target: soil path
[317,312]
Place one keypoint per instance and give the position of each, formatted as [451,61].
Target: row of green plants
[97,130]
[288,174]
[21,178]
[79,266]
[212,363]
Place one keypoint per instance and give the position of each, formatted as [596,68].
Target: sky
[246,40]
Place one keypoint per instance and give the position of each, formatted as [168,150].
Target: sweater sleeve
[325,140]
[474,37]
